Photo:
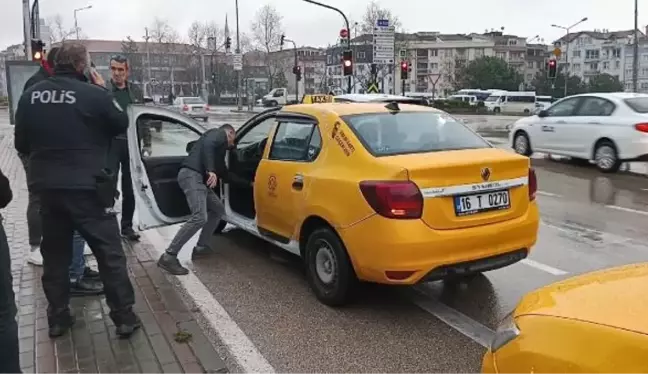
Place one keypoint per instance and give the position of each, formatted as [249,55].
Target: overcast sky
[311,25]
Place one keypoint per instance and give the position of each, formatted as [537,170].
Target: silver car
[194,107]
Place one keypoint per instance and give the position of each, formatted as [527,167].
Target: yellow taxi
[593,323]
[380,192]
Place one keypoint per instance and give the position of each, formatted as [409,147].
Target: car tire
[606,157]
[205,119]
[329,270]
[496,110]
[273,104]
[527,111]
[522,144]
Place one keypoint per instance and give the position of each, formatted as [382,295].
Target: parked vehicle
[276,97]
[194,107]
[511,102]
[471,99]
[607,128]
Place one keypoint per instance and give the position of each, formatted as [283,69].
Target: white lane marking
[546,268]
[628,210]
[243,351]
[543,193]
[467,326]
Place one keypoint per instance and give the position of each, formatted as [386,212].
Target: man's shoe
[35,257]
[59,329]
[86,287]
[90,274]
[200,251]
[172,265]
[124,331]
[130,234]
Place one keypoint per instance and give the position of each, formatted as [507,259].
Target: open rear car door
[155,159]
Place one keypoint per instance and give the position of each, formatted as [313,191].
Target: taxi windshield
[386,134]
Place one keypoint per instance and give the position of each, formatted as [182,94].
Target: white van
[511,102]
[472,99]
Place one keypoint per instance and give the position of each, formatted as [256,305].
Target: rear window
[638,104]
[193,100]
[386,134]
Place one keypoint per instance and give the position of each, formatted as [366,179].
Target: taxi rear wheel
[329,270]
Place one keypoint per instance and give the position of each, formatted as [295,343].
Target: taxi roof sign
[317,99]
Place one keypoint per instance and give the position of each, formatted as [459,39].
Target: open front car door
[155,159]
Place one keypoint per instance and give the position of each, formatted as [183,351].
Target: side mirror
[190,146]
[543,113]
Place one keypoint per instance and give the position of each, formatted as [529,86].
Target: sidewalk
[170,341]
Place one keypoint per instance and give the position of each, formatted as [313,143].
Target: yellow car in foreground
[593,323]
[380,192]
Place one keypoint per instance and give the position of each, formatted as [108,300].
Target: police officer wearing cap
[66,125]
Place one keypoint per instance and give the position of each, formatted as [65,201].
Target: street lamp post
[238,51]
[635,48]
[346,20]
[567,30]
[76,23]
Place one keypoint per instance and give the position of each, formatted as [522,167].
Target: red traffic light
[344,33]
[552,62]
[347,63]
[404,65]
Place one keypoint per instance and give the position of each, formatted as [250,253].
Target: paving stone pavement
[92,346]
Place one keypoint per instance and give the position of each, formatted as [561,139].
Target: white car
[607,128]
[194,107]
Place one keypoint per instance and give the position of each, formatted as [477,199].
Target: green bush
[4,100]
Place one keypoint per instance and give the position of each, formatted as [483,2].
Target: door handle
[298,182]
[561,122]
[547,128]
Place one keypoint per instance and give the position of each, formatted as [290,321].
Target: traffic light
[37,49]
[551,69]
[347,63]
[228,43]
[213,77]
[281,42]
[404,69]
[298,73]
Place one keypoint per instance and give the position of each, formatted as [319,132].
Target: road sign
[383,43]
[373,88]
[382,23]
[237,61]
[557,52]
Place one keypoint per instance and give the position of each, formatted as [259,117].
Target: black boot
[130,234]
[90,274]
[86,287]
[61,326]
[200,251]
[172,265]
[125,330]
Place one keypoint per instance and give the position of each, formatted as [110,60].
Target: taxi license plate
[482,202]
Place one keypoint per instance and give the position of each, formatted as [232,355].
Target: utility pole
[635,47]
[148,61]
[76,24]
[27,29]
[239,100]
[567,30]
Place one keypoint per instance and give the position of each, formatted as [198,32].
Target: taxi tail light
[533,184]
[399,200]
[643,127]
[185,108]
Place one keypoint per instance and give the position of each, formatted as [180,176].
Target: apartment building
[588,53]
[642,78]
[313,65]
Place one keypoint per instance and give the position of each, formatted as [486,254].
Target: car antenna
[393,107]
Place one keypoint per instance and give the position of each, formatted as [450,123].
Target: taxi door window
[294,141]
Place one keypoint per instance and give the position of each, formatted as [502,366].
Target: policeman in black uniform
[66,125]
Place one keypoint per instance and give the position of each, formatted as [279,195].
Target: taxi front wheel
[328,268]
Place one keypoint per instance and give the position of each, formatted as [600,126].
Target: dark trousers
[121,159]
[62,212]
[9,359]
[34,227]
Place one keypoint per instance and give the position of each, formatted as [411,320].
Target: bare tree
[167,49]
[135,65]
[266,34]
[374,12]
[58,31]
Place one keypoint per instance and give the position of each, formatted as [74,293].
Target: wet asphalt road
[589,221]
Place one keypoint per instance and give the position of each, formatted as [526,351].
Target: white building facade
[589,53]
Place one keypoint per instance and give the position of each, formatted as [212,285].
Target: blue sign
[382,23]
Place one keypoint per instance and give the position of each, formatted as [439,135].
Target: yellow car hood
[616,297]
